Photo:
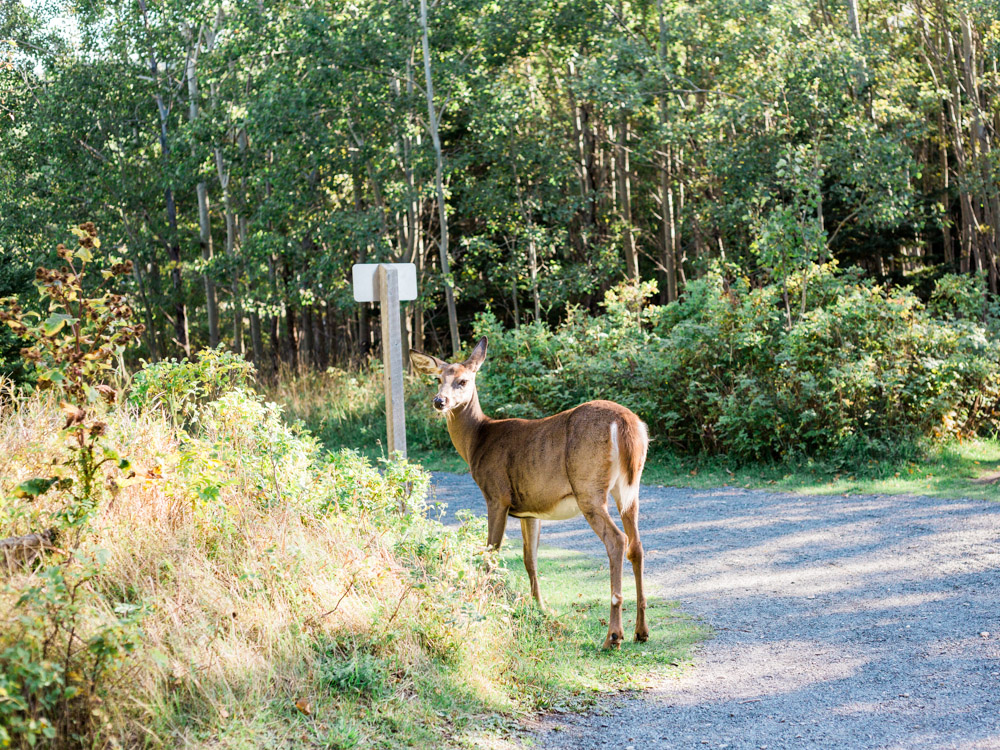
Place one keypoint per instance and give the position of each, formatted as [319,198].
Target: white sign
[366,286]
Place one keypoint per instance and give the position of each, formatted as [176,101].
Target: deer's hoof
[641,636]
[613,641]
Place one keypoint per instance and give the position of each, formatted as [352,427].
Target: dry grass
[285,599]
[239,590]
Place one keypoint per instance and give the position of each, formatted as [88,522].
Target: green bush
[852,367]
[178,387]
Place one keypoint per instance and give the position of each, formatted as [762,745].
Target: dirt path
[841,622]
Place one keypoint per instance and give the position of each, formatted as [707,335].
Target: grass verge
[346,409]
[576,592]
[969,469]
[279,597]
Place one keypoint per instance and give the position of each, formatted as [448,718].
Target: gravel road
[841,622]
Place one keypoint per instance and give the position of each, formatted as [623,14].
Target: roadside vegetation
[246,588]
[859,388]
[186,566]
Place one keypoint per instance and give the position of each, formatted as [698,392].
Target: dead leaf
[74,414]
[304,706]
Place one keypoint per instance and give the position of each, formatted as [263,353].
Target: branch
[25,548]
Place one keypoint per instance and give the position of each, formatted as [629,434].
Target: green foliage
[15,280]
[180,387]
[60,657]
[861,368]
[56,661]
[771,133]
[74,343]
[958,296]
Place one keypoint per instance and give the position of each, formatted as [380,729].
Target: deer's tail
[631,438]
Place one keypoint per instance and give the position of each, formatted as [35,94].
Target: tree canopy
[526,156]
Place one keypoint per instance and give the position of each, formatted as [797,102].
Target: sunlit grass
[576,590]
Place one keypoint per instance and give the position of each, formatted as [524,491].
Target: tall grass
[347,408]
[284,598]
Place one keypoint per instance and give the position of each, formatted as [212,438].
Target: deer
[550,469]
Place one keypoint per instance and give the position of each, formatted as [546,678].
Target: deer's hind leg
[530,531]
[630,522]
[595,509]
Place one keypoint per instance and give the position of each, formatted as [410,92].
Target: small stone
[984,634]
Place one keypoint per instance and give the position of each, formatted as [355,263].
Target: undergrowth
[183,566]
[284,594]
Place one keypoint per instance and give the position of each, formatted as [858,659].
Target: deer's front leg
[496,522]
[530,530]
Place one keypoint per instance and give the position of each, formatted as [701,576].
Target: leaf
[84,254]
[303,705]
[159,658]
[74,414]
[55,322]
[34,487]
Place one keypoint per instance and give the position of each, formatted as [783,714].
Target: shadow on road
[851,622]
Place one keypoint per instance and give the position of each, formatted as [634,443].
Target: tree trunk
[529,224]
[173,240]
[432,115]
[669,228]
[204,220]
[237,300]
[625,197]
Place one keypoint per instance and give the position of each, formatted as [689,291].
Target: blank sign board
[366,288]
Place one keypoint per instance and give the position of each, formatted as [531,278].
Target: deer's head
[457,381]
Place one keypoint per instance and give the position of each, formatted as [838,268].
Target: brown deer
[551,469]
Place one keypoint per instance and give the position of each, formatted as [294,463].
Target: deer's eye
[461,383]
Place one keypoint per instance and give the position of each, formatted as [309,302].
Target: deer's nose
[439,403]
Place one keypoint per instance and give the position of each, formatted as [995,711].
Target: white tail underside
[624,494]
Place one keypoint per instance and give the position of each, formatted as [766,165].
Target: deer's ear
[425,364]
[478,356]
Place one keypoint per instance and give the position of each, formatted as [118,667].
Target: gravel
[840,622]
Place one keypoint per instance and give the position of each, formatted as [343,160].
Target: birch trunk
[625,197]
[201,190]
[432,124]
[172,241]
[227,203]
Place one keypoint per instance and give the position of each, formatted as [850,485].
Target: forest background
[769,228]
[815,186]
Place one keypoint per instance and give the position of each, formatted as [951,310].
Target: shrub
[861,368]
[180,386]
[61,645]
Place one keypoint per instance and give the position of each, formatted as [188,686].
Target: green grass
[577,593]
[953,470]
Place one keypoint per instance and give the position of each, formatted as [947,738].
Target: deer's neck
[464,424]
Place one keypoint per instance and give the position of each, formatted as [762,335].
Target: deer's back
[537,463]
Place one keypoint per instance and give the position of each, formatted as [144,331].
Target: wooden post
[387,280]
